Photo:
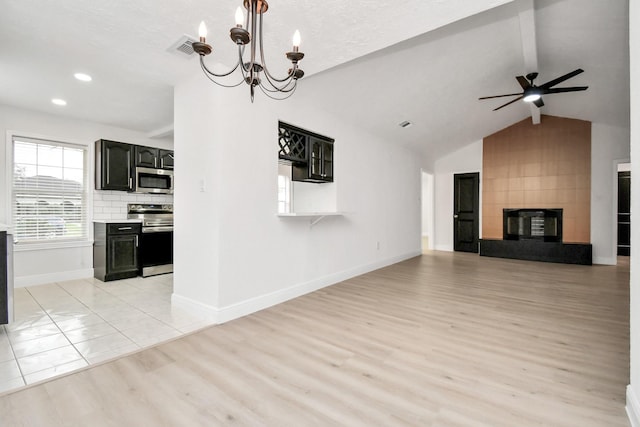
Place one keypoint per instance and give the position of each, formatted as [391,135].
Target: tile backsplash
[113,204]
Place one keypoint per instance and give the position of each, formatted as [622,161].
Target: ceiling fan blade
[538,102]
[560,79]
[523,81]
[565,89]
[510,102]
[500,96]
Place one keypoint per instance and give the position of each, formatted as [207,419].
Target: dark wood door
[624,213]
[465,212]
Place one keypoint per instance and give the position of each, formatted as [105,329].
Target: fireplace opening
[532,224]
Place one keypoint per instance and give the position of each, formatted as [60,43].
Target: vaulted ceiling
[373,63]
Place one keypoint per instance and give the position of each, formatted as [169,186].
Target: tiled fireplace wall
[113,204]
[539,166]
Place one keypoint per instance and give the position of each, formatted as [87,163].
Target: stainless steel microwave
[156,181]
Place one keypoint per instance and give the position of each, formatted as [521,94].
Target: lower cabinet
[6,278]
[115,250]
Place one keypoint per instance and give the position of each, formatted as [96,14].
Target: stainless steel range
[156,240]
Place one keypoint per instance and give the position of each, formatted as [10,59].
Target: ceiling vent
[405,124]
[183,46]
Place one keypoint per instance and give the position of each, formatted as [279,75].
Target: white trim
[61,276]
[192,306]
[252,305]
[602,260]
[445,248]
[633,407]
[25,247]
[88,174]
[614,226]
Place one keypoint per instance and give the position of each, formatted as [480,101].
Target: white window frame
[87,240]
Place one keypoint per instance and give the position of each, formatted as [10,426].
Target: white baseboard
[202,310]
[60,276]
[601,260]
[633,407]
[252,305]
[446,248]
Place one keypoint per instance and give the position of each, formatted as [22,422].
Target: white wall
[243,257]
[633,391]
[32,267]
[609,145]
[467,159]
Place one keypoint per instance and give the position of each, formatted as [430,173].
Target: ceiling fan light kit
[254,73]
[532,93]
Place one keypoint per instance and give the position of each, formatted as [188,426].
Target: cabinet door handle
[130,183]
[455,216]
[162,163]
[155,162]
[124,228]
[136,240]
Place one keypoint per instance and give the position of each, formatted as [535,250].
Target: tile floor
[64,326]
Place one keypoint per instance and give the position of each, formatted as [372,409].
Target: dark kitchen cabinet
[319,167]
[115,250]
[6,278]
[146,157]
[114,162]
[166,159]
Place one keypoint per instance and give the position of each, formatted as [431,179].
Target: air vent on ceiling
[405,124]
[183,45]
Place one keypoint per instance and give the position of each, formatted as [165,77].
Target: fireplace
[532,224]
[535,235]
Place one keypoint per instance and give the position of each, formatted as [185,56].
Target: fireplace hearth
[535,235]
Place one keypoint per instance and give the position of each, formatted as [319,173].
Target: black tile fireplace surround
[535,235]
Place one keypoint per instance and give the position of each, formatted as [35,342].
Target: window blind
[49,191]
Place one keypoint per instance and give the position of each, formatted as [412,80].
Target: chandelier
[254,73]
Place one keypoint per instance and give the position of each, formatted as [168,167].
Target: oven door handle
[161,229]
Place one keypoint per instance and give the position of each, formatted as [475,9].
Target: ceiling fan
[533,93]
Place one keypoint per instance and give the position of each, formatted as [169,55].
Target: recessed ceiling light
[59,101]
[83,77]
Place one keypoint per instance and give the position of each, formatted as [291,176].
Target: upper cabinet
[166,159]
[319,167]
[146,157]
[321,160]
[310,154]
[156,158]
[114,165]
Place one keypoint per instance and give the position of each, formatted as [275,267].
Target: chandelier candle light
[251,70]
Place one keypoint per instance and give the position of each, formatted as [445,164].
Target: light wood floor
[439,340]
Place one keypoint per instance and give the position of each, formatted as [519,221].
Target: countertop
[117,221]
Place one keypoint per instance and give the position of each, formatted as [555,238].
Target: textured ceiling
[421,60]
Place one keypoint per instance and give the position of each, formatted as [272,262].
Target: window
[49,197]
[284,188]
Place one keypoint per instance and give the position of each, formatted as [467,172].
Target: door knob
[455,216]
